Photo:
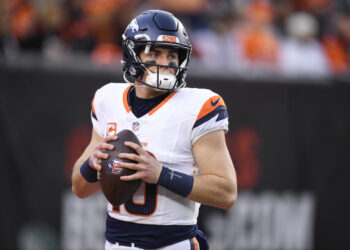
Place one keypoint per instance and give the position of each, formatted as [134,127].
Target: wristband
[88,173]
[176,182]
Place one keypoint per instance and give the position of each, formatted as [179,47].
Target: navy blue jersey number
[149,205]
[147,208]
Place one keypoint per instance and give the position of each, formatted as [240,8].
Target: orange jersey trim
[211,104]
[162,103]
[127,107]
[196,244]
[125,99]
[92,105]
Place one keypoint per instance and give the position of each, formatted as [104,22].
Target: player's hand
[147,168]
[97,155]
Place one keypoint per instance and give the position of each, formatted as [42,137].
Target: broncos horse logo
[134,26]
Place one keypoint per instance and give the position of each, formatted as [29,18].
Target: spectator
[301,54]
[25,27]
[256,37]
[337,44]
[215,47]
[76,31]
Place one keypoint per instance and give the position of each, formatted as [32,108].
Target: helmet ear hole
[132,71]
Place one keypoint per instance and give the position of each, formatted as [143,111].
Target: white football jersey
[168,133]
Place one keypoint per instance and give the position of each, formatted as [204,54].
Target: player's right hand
[98,154]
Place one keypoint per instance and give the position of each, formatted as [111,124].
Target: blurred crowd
[293,38]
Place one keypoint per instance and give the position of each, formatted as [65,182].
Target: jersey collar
[126,101]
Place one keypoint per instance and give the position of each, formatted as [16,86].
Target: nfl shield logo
[135,126]
[114,166]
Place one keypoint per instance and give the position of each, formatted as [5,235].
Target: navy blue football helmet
[155,28]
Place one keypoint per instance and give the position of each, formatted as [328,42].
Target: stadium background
[289,116]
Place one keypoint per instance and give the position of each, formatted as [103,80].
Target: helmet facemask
[157,78]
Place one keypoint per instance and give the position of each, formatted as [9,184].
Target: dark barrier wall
[284,138]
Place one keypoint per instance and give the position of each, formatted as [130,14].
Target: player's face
[162,56]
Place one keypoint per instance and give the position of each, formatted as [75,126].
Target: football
[115,190]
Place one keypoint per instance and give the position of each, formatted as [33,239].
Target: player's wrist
[88,172]
[175,181]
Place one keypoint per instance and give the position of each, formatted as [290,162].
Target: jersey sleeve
[95,115]
[211,117]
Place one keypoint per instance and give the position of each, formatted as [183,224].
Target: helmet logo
[165,38]
[134,26]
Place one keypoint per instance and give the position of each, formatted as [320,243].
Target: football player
[184,160]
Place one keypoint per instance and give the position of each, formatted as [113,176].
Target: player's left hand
[148,168]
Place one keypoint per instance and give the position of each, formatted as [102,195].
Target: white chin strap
[166,80]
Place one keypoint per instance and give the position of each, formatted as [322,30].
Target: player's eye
[153,55]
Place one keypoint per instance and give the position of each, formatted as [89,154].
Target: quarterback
[183,160]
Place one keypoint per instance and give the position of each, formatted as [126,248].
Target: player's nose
[164,61]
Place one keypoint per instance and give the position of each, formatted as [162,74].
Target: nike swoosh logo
[216,102]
